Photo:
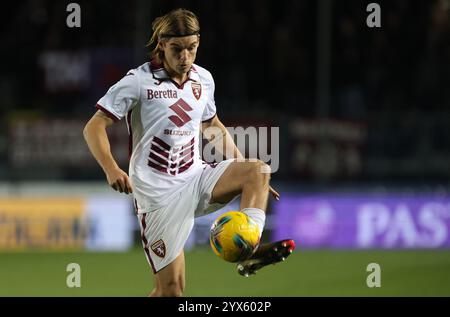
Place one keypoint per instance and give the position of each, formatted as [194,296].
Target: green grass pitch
[305,273]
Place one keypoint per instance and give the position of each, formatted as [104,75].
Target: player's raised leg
[251,180]
[170,281]
[245,178]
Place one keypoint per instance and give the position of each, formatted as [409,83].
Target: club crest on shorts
[197,90]
[159,248]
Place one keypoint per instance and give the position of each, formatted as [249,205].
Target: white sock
[258,216]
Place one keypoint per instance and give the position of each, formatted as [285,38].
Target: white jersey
[163,120]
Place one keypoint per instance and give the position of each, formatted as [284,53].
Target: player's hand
[274,193]
[119,181]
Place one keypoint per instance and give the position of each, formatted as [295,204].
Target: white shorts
[165,231]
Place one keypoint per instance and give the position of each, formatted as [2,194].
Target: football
[234,236]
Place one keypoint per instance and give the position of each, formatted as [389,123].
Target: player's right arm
[97,140]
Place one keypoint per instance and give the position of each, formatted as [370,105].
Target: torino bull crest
[197,90]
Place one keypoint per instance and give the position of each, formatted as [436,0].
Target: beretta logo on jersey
[158,94]
[159,248]
[197,90]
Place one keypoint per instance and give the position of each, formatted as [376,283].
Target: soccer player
[167,102]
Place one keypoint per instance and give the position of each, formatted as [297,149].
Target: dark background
[355,105]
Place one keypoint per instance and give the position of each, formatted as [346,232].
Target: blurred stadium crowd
[388,119]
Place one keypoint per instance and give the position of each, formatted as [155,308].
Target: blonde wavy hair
[176,23]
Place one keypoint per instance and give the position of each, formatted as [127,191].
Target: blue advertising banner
[364,221]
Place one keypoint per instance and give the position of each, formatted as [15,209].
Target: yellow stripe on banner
[42,223]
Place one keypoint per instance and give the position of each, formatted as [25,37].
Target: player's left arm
[216,133]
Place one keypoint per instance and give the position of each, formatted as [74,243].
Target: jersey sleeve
[121,97]
[210,109]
